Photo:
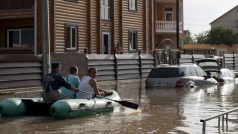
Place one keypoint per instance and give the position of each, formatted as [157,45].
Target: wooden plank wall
[69,12]
[20,71]
[86,14]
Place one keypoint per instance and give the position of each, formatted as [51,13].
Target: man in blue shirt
[52,83]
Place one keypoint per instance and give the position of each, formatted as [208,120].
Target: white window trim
[168,12]
[71,38]
[103,9]
[131,7]
[109,42]
[131,32]
[19,30]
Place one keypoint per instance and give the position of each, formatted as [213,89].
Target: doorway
[106,43]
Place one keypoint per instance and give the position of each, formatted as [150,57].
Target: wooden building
[77,25]
[95,26]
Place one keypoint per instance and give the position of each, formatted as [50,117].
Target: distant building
[229,20]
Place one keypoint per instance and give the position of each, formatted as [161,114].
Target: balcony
[167,27]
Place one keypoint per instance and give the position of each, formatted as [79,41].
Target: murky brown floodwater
[173,111]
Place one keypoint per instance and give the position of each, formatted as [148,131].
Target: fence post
[116,66]
[140,63]
[233,60]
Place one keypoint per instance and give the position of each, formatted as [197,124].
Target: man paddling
[88,86]
[52,83]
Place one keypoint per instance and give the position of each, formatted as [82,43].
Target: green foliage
[202,38]
[222,35]
[188,39]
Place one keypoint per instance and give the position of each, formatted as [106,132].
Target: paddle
[123,103]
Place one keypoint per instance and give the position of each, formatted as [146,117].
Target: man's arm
[93,84]
[67,85]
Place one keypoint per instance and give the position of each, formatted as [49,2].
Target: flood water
[162,111]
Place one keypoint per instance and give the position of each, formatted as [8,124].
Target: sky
[198,14]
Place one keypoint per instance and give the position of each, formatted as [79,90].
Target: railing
[167,27]
[219,116]
[16,4]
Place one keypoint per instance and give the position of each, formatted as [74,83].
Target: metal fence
[121,66]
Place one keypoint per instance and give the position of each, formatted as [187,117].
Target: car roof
[173,66]
[207,60]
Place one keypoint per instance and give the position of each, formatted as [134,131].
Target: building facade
[94,26]
[166,23]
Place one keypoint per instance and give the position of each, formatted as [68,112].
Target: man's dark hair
[91,69]
[73,69]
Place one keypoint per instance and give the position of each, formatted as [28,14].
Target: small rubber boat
[61,109]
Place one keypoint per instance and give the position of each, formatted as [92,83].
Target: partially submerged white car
[178,76]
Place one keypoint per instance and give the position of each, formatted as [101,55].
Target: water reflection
[174,111]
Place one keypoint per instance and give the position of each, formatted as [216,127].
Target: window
[105,9]
[71,37]
[200,72]
[106,43]
[168,13]
[133,40]
[133,5]
[19,38]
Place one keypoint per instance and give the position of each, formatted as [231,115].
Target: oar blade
[128,104]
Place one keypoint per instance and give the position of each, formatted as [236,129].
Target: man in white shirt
[88,86]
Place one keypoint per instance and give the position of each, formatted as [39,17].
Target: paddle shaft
[123,103]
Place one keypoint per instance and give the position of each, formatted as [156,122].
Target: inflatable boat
[61,109]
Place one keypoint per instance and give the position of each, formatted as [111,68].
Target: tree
[222,35]
[188,39]
[202,38]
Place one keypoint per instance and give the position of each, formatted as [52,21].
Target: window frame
[130,39]
[168,12]
[20,37]
[103,8]
[69,37]
[132,5]
[109,42]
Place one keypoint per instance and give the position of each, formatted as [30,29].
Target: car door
[193,73]
[201,79]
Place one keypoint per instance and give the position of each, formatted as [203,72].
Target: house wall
[229,20]
[86,14]
[160,16]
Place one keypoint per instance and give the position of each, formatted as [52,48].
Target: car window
[212,64]
[200,72]
[193,71]
[167,72]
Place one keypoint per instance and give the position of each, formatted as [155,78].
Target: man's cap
[55,65]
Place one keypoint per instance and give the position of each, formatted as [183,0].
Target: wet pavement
[162,111]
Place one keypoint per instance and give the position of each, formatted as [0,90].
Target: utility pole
[177,24]
[45,37]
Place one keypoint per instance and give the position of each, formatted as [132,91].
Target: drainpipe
[45,37]
[177,23]
[35,27]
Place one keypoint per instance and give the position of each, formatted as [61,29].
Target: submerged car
[222,76]
[209,63]
[178,76]
[213,68]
